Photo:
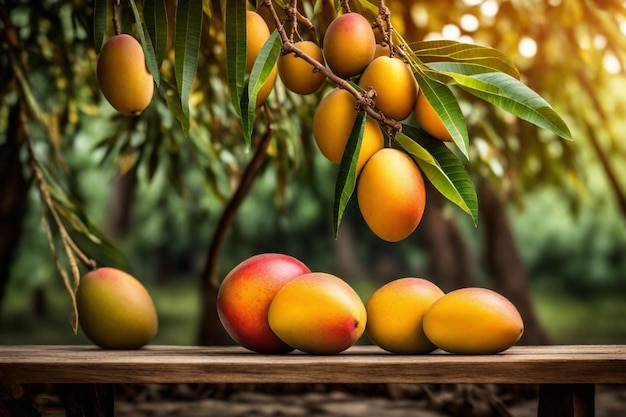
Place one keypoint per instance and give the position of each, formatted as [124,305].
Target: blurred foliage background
[557,221]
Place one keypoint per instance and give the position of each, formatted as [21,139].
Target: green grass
[595,319]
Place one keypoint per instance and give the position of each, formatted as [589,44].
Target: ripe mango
[391,194]
[257,33]
[123,76]
[429,120]
[297,74]
[395,86]
[395,313]
[266,88]
[244,298]
[317,313]
[115,310]
[349,45]
[473,321]
[332,123]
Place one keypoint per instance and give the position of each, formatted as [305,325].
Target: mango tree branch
[363,99]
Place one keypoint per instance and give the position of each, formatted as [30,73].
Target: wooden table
[567,374]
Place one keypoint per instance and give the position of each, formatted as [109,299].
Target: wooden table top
[359,364]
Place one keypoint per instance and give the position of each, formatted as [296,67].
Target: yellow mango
[395,313]
[473,321]
[317,313]
[123,76]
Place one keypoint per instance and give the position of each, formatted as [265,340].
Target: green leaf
[474,56]
[174,105]
[100,9]
[186,50]
[515,97]
[235,22]
[155,15]
[262,68]
[346,177]
[446,106]
[442,168]
[146,44]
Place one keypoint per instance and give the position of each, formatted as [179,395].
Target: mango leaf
[235,22]
[442,168]
[513,96]
[446,106]
[346,177]
[262,68]
[186,50]
[155,15]
[100,9]
[146,44]
[465,57]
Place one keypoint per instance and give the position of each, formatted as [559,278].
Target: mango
[266,88]
[244,298]
[332,123]
[257,33]
[429,120]
[473,321]
[395,314]
[395,86]
[391,194]
[318,313]
[123,76]
[115,310]
[297,74]
[349,45]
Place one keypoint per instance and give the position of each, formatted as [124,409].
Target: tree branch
[363,99]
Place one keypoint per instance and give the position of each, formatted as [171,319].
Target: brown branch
[363,99]
[116,24]
[210,273]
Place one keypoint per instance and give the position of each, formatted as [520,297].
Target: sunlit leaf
[442,168]
[155,15]
[262,68]
[346,177]
[513,96]
[100,9]
[442,51]
[146,44]
[186,48]
[236,49]
[446,106]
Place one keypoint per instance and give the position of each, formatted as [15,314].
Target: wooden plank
[183,364]
[566,400]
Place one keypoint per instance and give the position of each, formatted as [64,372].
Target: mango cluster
[390,186]
[272,303]
[414,316]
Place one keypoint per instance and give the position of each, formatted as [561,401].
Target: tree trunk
[505,264]
[211,332]
[13,195]
[450,262]
[120,206]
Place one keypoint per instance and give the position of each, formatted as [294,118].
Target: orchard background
[177,196]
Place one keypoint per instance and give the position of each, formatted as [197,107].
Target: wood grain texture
[368,364]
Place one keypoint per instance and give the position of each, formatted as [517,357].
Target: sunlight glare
[599,42]
[611,63]
[472,2]
[469,23]
[527,47]
[489,8]
[419,15]
[451,31]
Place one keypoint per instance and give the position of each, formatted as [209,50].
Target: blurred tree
[48,93]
